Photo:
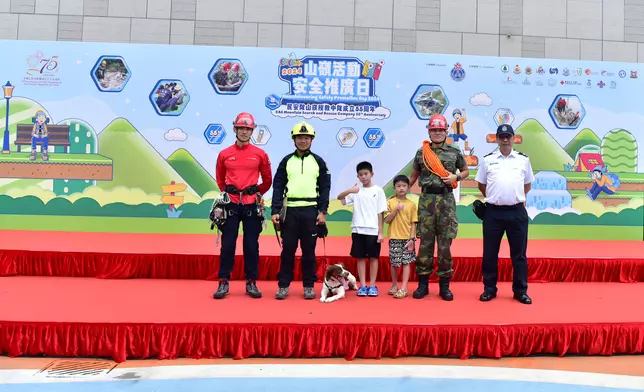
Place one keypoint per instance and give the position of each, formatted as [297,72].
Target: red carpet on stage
[176,256]
[178,318]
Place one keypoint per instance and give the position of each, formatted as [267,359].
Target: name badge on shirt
[493,163]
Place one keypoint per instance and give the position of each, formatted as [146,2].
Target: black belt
[498,207]
[302,199]
[437,190]
[251,190]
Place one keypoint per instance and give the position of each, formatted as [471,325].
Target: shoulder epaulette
[520,153]
[487,155]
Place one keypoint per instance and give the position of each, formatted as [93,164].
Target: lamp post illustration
[8,92]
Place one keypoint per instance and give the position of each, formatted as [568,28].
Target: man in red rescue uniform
[238,170]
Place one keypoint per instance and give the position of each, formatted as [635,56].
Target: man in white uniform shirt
[505,178]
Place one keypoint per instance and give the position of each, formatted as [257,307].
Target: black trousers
[252,225]
[300,225]
[512,220]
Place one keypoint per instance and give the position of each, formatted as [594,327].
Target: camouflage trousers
[437,223]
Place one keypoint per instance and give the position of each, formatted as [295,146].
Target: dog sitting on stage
[337,281]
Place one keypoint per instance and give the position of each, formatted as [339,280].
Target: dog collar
[332,288]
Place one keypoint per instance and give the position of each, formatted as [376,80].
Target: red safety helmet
[437,121]
[244,120]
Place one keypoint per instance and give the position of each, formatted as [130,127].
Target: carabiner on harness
[219,213]
[261,209]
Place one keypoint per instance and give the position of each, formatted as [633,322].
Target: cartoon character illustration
[457,132]
[457,129]
[602,182]
[40,135]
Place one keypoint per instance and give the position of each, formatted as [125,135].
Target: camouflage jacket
[452,159]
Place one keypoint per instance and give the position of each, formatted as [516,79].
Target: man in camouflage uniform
[437,220]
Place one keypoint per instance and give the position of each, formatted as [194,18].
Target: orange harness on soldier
[432,163]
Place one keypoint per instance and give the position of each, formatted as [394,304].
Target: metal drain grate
[76,368]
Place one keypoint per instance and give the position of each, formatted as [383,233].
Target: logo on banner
[457,73]
[329,88]
[42,70]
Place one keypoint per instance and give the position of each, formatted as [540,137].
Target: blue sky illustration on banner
[364,105]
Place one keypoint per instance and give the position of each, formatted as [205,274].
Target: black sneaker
[309,293]
[252,290]
[222,290]
[282,293]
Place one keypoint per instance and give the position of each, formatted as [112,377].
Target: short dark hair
[401,178]
[364,166]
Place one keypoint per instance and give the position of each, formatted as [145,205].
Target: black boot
[423,287]
[222,290]
[445,293]
[252,290]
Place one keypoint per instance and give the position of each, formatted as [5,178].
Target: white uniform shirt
[367,204]
[505,177]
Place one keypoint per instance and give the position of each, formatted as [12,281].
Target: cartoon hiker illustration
[457,129]
[40,134]
[602,182]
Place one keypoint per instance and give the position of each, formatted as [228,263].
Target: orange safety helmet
[244,120]
[437,121]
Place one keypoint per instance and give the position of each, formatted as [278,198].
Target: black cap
[505,128]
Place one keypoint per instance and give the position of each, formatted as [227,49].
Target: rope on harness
[433,163]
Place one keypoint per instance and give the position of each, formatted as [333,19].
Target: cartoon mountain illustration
[82,141]
[195,175]
[544,151]
[389,187]
[584,138]
[136,163]
[619,151]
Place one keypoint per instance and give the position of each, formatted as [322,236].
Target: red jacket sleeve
[220,172]
[266,173]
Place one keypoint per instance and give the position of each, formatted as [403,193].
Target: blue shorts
[456,137]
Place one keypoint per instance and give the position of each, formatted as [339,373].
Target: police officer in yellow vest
[303,183]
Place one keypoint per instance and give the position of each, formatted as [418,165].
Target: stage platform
[68,317]
[183,256]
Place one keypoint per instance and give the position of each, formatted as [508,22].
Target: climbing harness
[219,213]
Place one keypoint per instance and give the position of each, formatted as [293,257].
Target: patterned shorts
[398,253]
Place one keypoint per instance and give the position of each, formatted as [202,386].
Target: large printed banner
[133,131]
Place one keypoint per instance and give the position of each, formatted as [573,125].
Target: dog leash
[277,235]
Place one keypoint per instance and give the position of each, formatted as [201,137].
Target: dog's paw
[323,300]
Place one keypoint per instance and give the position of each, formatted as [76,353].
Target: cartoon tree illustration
[619,151]
[83,140]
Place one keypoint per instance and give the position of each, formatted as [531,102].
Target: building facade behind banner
[561,29]
[135,130]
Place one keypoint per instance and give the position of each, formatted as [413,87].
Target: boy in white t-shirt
[369,204]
